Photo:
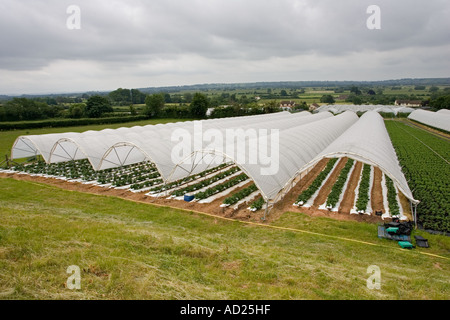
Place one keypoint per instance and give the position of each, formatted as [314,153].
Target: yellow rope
[247,222]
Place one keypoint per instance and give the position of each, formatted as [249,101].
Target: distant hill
[260,85]
[297,84]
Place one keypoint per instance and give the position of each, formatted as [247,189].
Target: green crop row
[206,182]
[394,208]
[177,183]
[364,187]
[258,204]
[425,162]
[238,196]
[336,191]
[315,185]
[221,187]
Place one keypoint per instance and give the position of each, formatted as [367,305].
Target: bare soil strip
[349,195]
[377,193]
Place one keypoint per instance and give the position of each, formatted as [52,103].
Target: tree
[120,96]
[97,105]
[327,98]
[199,105]
[133,110]
[154,104]
[433,89]
[187,97]
[167,98]
[77,110]
[137,96]
[271,107]
[442,102]
[355,90]
[283,93]
[301,106]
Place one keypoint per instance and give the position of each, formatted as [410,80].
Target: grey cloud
[33,33]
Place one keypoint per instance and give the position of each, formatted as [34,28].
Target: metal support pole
[415,215]
[266,211]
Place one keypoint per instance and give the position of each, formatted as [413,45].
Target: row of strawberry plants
[258,204]
[177,183]
[238,196]
[206,182]
[131,178]
[221,187]
[315,185]
[426,168]
[394,208]
[364,187]
[336,191]
[82,169]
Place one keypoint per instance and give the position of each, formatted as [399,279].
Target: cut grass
[130,250]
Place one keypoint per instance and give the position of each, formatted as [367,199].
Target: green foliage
[177,183]
[154,104]
[176,112]
[364,187]
[238,196]
[426,172]
[96,106]
[315,185]
[336,191]
[271,107]
[327,98]
[199,105]
[206,182]
[60,123]
[77,110]
[135,174]
[221,187]
[258,204]
[355,90]
[20,109]
[394,208]
[442,102]
[124,97]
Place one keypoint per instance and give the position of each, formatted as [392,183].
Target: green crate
[392,230]
[405,244]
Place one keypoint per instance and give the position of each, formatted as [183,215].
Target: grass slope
[129,250]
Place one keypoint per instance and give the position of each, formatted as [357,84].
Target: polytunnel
[60,147]
[293,147]
[368,141]
[443,111]
[439,120]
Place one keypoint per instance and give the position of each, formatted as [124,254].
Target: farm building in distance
[408,103]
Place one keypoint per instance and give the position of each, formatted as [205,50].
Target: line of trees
[155,106]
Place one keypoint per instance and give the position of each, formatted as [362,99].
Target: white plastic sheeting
[368,141]
[60,147]
[294,142]
[443,111]
[439,120]
[296,146]
[363,108]
[112,148]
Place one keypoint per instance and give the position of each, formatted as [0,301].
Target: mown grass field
[7,138]
[129,250]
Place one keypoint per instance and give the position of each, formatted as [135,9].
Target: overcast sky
[136,43]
